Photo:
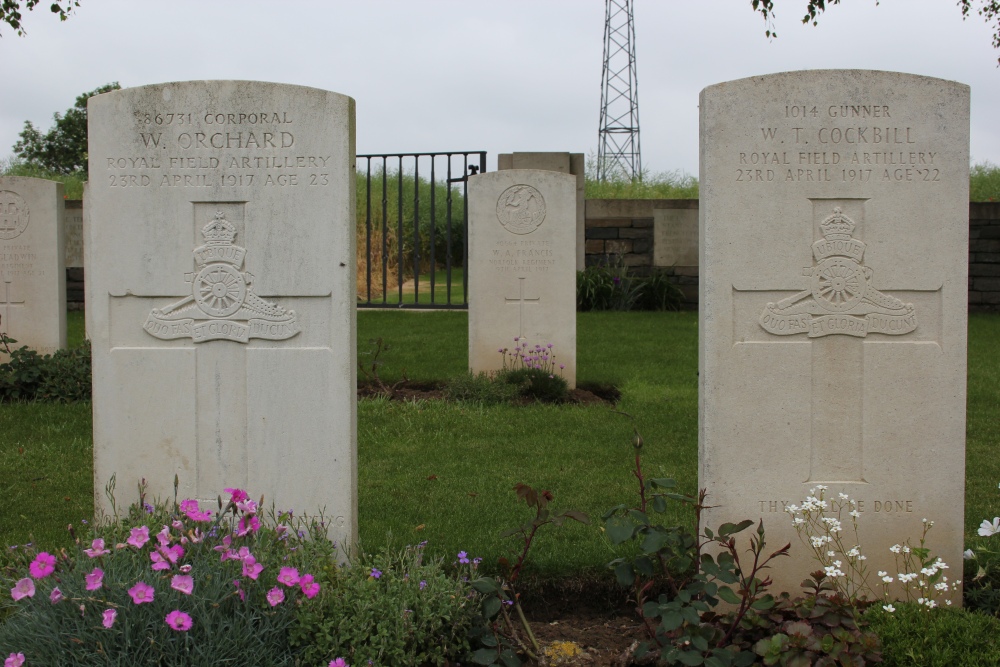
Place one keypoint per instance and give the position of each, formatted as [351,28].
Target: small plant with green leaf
[503,635]
[534,370]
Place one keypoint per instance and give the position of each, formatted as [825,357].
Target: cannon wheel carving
[220,290]
[839,284]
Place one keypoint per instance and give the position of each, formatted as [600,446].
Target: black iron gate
[412,234]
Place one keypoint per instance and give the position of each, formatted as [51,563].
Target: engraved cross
[520,302]
[7,301]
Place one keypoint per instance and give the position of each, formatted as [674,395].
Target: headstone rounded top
[828,75]
[521,209]
[14,215]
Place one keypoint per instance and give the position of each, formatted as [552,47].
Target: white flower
[854,552]
[894,548]
[928,571]
[940,564]
[855,513]
[887,579]
[922,584]
[906,549]
[889,608]
[831,554]
[986,529]
[833,571]
[882,573]
[862,557]
[821,487]
[924,519]
[968,555]
[941,586]
[798,521]
[931,604]
[843,496]
[947,602]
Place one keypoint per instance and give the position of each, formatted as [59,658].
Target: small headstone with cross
[832,333]
[522,266]
[220,294]
[32,266]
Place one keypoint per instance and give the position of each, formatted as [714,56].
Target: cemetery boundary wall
[624,228]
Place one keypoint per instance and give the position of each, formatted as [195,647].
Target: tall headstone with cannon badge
[32,268]
[522,267]
[220,293]
[834,246]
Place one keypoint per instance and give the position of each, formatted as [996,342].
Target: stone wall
[624,227]
[984,256]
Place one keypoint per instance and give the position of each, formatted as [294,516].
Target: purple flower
[56,595]
[463,557]
[109,617]
[376,573]
[183,583]
[289,576]
[138,537]
[309,587]
[423,585]
[17,659]
[96,549]
[141,593]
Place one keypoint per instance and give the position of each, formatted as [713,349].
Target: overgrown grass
[444,471]
[984,182]
[913,637]
[72,183]
[662,185]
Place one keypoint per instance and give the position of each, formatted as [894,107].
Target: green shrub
[537,383]
[610,286]
[913,636]
[984,182]
[393,609]
[62,377]
[481,388]
[208,589]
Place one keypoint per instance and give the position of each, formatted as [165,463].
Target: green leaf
[619,529]
[655,540]
[727,594]
[484,656]
[699,643]
[576,515]
[663,483]
[625,574]
[510,659]
[644,565]
[765,602]
[485,585]
[691,658]
[614,510]
[727,529]
[671,620]
[659,504]
[491,607]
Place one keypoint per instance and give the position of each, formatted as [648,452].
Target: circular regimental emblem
[219,290]
[521,209]
[13,215]
[838,284]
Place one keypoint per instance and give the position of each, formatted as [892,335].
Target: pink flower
[289,576]
[309,587]
[163,537]
[173,553]
[43,565]
[141,592]
[139,537]
[95,579]
[244,527]
[275,596]
[25,588]
[109,617]
[14,660]
[243,596]
[178,620]
[178,524]
[251,568]
[56,595]
[96,549]
[185,568]
[237,495]
[183,583]
[246,505]
[193,512]
[339,662]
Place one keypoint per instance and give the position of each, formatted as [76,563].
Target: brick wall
[624,227]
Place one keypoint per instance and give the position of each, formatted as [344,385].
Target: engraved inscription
[73,226]
[522,256]
[14,215]
[222,305]
[521,209]
[17,260]
[880,506]
[841,299]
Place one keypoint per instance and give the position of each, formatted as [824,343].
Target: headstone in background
[834,234]
[675,237]
[73,226]
[220,289]
[566,163]
[522,265]
[32,270]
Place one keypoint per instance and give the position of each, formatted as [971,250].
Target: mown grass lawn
[443,472]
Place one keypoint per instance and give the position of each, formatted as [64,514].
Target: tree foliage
[10,11]
[989,10]
[63,149]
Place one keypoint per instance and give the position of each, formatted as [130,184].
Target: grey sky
[500,76]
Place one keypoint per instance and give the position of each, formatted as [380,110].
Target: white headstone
[522,265]
[675,237]
[220,293]
[834,247]
[73,227]
[32,271]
